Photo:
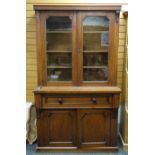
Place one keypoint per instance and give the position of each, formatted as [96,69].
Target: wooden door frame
[41,48]
[112,67]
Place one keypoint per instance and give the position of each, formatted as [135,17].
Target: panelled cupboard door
[58,128]
[96,52]
[94,128]
[58,48]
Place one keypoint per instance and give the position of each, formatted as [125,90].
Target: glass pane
[59,74]
[95,59]
[95,48]
[95,74]
[59,59]
[59,49]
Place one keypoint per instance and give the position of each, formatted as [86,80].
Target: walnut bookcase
[77,98]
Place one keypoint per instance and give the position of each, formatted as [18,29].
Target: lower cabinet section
[76,129]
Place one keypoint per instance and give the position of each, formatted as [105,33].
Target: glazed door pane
[59,48]
[95,48]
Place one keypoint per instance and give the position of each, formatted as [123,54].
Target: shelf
[58,51]
[85,51]
[59,31]
[61,67]
[94,67]
[94,31]
[95,51]
[77,90]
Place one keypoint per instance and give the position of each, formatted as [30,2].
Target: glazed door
[96,53]
[59,29]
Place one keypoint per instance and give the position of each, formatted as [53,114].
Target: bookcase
[77,98]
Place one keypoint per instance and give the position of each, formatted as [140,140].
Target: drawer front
[77,101]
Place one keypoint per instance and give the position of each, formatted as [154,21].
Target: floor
[30,150]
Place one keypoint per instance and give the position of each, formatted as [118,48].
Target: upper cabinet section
[77,45]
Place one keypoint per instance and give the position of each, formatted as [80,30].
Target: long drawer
[77,101]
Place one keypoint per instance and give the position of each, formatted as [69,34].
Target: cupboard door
[59,46]
[94,128]
[96,41]
[59,128]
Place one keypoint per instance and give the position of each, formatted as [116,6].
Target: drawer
[77,101]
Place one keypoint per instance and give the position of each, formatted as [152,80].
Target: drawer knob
[60,100]
[94,100]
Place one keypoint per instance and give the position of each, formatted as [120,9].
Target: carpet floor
[31,150]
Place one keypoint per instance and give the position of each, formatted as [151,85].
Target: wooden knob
[60,100]
[94,100]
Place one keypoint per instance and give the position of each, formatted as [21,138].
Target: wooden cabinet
[77,97]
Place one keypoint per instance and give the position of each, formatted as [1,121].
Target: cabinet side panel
[113,130]
[42,139]
[40,48]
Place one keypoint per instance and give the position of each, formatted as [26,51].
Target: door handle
[94,101]
[60,100]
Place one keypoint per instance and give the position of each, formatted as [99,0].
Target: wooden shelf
[94,67]
[69,31]
[95,51]
[74,89]
[61,31]
[61,67]
[85,51]
[57,51]
[94,31]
